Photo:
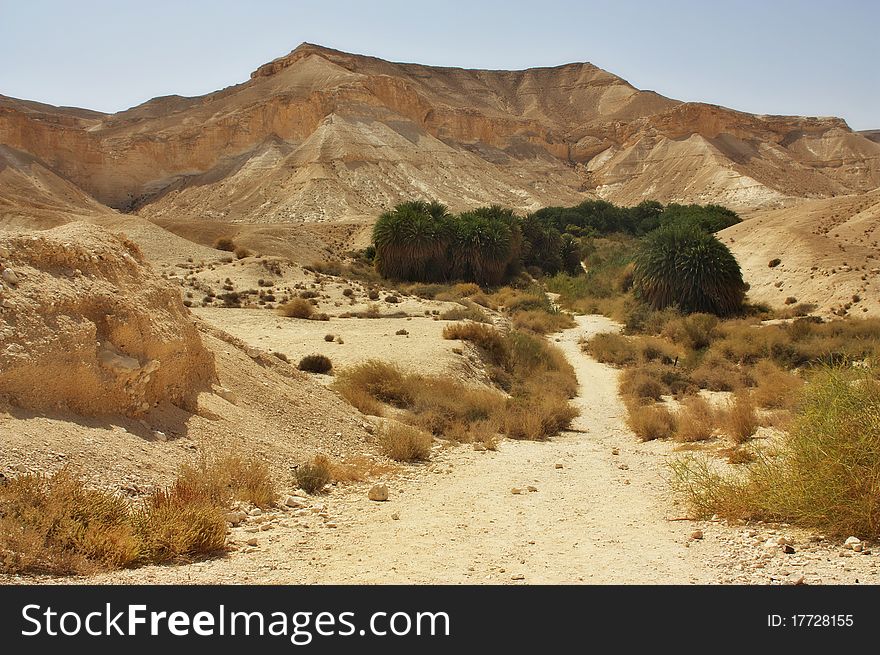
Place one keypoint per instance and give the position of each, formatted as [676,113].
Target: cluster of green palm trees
[421,241]
[679,262]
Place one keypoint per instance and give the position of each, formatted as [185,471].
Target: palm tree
[411,240]
[480,249]
[685,266]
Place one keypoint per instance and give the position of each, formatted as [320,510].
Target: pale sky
[774,57]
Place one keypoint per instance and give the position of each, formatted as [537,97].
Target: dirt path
[600,518]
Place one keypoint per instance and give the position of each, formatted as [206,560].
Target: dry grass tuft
[696,420]
[649,382]
[470,312]
[227,478]
[56,525]
[313,476]
[540,321]
[776,388]
[179,526]
[297,308]
[738,455]
[359,468]
[446,408]
[612,348]
[485,337]
[740,420]
[694,331]
[360,399]
[380,381]
[538,417]
[405,443]
[650,422]
[718,374]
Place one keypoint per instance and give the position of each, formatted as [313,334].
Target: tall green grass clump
[825,473]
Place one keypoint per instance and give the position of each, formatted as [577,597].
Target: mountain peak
[302,51]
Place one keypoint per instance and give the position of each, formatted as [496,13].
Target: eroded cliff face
[322,135]
[86,326]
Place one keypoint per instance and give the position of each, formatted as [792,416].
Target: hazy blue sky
[784,57]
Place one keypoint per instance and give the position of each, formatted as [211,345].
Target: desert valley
[357,321]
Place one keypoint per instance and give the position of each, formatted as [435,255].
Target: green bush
[825,473]
[684,266]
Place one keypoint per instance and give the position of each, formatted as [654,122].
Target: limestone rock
[116,341]
[378,492]
[9,276]
[294,501]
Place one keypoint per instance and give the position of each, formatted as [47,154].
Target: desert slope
[828,250]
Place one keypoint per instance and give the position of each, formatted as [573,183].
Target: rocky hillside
[321,135]
[87,326]
[824,252]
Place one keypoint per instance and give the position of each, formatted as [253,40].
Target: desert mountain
[321,135]
[300,159]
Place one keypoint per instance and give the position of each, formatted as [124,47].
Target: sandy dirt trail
[600,518]
[589,521]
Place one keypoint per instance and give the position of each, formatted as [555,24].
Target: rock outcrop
[86,326]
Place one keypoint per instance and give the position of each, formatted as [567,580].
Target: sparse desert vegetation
[170,274]
[56,524]
[822,473]
[537,377]
[313,476]
[405,443]
[315,364]
[297,308]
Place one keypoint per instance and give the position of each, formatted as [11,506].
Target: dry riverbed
[590,506]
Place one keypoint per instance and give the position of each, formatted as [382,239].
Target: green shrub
[690,268]
[824,474]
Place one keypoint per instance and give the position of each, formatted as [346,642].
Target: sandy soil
[599,518]
[423,349]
